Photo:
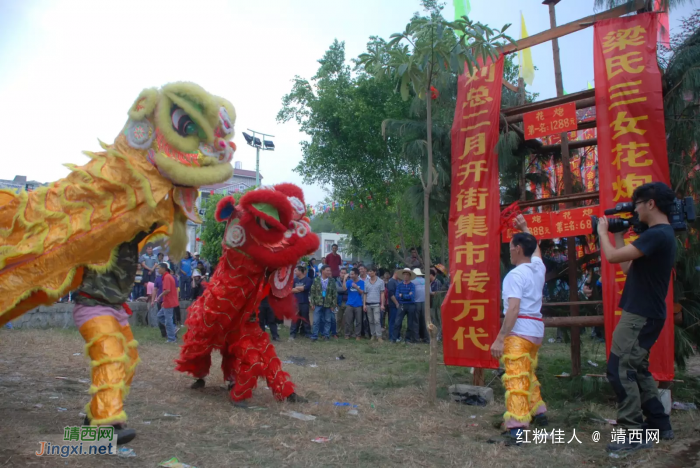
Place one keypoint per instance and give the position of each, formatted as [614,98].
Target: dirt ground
[394,426]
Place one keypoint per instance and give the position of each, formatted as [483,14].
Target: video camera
[682,211]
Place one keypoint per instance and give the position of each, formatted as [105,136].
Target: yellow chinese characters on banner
[470,311]
[631,145]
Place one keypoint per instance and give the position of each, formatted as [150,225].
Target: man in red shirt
[334,261]
[170,301]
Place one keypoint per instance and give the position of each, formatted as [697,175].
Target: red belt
[126,307]
[530,318]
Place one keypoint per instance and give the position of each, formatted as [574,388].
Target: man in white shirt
[521,334]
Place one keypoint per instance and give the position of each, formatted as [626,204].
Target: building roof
[245,173]
[231,183]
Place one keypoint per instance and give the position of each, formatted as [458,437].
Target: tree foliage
[681,82]
[342,113]
[213,231]
[324,223]
[414,59]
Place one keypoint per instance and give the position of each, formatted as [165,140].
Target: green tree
[342,115]
[213,231]
[681,82]
[324,223]
[413,131]
[415,58]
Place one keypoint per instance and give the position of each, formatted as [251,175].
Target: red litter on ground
[321,440]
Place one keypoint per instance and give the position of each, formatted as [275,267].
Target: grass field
[395,426]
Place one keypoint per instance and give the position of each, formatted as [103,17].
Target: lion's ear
[225,209]
[145,104]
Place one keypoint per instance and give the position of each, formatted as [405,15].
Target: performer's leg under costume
[256,357]
[523,399]
[228,363]
[195,356]
[111,347]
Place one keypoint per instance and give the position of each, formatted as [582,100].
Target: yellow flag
[527,70]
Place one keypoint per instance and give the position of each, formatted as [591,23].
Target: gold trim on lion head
[183,131]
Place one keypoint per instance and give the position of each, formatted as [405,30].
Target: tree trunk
[400,224]
[428,187]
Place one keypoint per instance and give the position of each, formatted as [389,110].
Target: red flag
[664,34]
[470,310]
[631,144]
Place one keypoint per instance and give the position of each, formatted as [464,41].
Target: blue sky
[71,68]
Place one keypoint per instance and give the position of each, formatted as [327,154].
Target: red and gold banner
[471,309]
[631,144]
[554,224]
[558,119]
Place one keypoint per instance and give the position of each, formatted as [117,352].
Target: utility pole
[568,189]
[257,166]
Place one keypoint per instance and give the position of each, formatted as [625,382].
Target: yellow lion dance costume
[82,232]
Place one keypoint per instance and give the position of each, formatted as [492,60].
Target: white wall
[330,238]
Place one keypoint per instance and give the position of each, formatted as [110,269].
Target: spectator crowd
[337,299]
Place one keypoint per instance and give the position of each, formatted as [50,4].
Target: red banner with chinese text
[554,224]
[631,146]
[558,119]
[471,309]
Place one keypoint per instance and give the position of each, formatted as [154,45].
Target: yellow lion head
[183,131]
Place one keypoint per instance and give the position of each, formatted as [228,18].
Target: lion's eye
[263,224]
[183,123]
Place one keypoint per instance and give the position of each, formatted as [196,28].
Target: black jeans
[364,330]
[302,324]
[148,277]
[267,317]
[420,321]
[409,310]
[176,315]
[185,287]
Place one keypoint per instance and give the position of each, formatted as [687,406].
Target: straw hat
[408,270]
[417,272]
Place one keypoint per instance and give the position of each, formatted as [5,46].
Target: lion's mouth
[192,175]
[219,152]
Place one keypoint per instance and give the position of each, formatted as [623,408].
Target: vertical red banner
[631,146]
[470,312]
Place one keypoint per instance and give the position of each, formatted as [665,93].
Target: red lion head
[269,224]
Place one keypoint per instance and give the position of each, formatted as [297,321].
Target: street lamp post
[255,142]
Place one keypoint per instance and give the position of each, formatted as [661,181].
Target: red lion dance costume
[266,235]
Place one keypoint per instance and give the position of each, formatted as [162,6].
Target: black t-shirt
[649,276]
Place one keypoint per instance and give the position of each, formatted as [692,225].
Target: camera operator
[647,262]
